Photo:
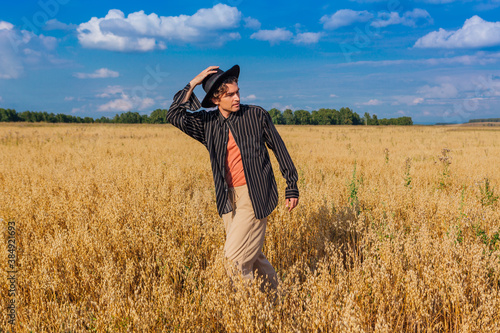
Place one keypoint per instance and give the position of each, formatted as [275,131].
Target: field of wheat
[116,230]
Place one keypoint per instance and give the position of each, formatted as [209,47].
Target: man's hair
[223,86]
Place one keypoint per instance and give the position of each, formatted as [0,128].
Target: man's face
[230,101]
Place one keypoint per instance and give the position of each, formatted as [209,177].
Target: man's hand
[292,203]
[200,77]
[198,80]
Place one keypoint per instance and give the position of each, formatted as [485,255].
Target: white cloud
[19,48]
[273,36]
[283,35]
[146,103]
[90,35]
[251,97]
[252,23]
[459,88]
[344,17]
[98,74]
[481,58]
[445,90]
[372,102]
[307,37]
[123,101]
[49,42]
[385,19]
[1,99]
[488,5]
[409,18]
[6,25]
[126,103]
[110,91]
[407,99]
[121,104]
[333,95]
[475,33]
[69,98]
[282,107]
[54,24]
[141,32]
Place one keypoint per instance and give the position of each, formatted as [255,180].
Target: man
[235,136]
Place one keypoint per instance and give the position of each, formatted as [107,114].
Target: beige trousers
[245,238]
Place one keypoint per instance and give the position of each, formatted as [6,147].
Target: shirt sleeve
[191,123]
[276,144]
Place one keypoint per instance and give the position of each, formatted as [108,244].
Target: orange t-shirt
[235,176]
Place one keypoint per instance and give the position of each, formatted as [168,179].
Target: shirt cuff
[291,193]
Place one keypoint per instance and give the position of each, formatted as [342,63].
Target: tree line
[156,117]
[488,120]
[344,116]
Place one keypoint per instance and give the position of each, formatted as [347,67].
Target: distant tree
[288,116]
[9,115]
[315,118]
[356,119]
[103,120]
[384,121]
[158,116]
[367,119]
[402,121]
[276,116]
[323,116]
[345,116]
[128,118]
[405,121]
[336,118]
[487,120]
[61,118]
[26,116]
[302,117]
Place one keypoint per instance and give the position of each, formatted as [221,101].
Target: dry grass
[117,231]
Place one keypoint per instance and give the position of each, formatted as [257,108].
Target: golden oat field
[116,229]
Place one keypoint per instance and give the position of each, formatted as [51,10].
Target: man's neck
[224,113]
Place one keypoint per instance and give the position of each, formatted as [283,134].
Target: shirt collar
[233,116]
[221,118]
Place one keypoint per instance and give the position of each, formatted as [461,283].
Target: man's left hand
[292,203]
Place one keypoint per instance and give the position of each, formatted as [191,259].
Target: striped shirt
[252,129]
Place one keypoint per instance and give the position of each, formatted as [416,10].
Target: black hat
[213,81]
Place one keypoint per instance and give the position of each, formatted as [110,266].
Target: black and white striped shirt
[252,128]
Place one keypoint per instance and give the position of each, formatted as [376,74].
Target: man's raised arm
[185,99]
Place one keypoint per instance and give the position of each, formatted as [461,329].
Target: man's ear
[215,101]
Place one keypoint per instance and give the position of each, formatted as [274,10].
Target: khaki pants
[245,238]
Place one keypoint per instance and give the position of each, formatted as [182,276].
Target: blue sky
[433,60]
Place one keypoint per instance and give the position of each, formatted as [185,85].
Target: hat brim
[233,71]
